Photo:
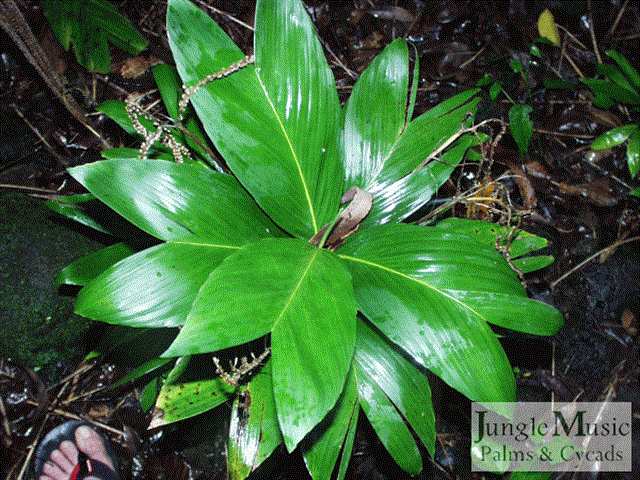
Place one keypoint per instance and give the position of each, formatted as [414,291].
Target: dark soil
[582,207]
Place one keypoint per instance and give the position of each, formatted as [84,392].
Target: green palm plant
[351,304]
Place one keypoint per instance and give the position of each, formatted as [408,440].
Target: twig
[44,141]
[614,245]
[563,134]
[476,55]
[228,15]
[593,32]
[571,36]
[340,63]
[615,23]
[41,191]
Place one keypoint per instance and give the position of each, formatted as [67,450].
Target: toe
[92,445]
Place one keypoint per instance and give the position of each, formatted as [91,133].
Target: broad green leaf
[401,274]
[253,431]
[425,134]
[626,67]
[520,126]
[60,18]
[535,51]
[614,137]
[303,297]
[401,182]
[184,397]
[388,424]
[153,288]
[170,200]
[633,153]
[375,115]
[84,270]
[516,66]
[486,80]
[328,440]
[273,122]
[119,30]
[149,394]
[402,383]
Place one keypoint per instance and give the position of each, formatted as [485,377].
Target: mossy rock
[38,326]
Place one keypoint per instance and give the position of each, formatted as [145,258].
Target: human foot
[75,452]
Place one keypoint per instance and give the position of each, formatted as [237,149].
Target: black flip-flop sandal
[86,466]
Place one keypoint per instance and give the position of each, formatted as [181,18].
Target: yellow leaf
[547,27]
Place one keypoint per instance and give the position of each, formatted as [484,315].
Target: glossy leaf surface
[253,430]
[84,270]
[301,295]
[171,201]
[402,383]
[375,115]
[388,424]
[183,397]
[264,119]
[153,288]
[397,200]
[614,137]
[401,277]
[330,438]
[404,179]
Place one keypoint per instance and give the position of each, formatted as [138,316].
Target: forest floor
[577,200]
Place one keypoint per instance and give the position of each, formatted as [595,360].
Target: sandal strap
[88,467]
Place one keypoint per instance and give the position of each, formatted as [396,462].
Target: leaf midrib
[414,279]
[295,289]
[204,244]
[305,187]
